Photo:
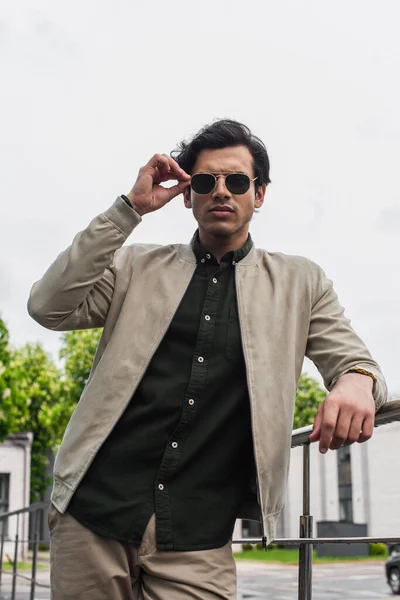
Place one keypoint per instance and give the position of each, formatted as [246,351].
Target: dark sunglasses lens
[237,183]
[203,183]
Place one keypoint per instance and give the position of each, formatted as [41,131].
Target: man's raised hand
[148,195]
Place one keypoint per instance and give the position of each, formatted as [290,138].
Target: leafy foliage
[37,396]
[78,352]
[13,409]
[40,390]
[308,398]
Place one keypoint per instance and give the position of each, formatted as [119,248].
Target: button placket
[197,380]
[213,284]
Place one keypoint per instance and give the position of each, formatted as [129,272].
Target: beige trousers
[85,566]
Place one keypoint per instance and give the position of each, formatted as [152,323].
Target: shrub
[247,547]
[42,547]
[378,550]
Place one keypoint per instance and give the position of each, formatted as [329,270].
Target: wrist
[131,199]
[361,379]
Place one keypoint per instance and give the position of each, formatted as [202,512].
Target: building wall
[384,481]
[15,459]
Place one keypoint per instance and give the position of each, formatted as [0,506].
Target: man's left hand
[347,413]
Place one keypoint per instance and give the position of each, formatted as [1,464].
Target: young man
[185,422]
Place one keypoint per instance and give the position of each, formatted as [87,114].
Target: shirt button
[203,260]
[160,487]
[208,256]
[207,317]
[215,280]
[200,359]
[191,401]
[174,445]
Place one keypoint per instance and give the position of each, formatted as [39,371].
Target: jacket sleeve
[77,289]
[333,345]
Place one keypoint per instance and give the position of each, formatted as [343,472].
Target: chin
[220,230]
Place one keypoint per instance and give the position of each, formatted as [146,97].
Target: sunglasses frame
[225,175]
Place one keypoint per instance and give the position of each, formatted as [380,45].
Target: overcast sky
[90,90]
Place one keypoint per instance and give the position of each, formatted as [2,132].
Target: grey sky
[90,90]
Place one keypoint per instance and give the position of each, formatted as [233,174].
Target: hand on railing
[388,413]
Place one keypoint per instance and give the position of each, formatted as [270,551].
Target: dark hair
[222,134]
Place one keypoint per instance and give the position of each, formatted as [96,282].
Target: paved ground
[272,581]
[345,581]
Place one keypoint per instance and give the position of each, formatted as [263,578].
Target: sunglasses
[236,183]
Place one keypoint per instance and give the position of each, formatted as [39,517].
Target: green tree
[13,407]
[5,385]
[41,390]
[309,396]
[77,351]
[49,396]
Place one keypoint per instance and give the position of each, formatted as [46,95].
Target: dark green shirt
[183,447]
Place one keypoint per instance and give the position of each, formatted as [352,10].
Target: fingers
[367,428]
[347,430]
[328,425]
[341,422]
[164,168]
[177,189]
[314,437]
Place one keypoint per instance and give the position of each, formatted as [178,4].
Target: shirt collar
[202,254]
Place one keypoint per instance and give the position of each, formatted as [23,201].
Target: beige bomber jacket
[287,309]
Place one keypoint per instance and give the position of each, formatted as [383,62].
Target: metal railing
[33,540]
[389,413]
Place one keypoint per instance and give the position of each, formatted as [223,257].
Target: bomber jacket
[287,310]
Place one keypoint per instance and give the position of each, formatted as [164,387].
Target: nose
[220,190]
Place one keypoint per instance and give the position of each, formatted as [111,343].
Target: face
[224,223]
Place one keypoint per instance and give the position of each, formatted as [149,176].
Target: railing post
[3,522]
[15,565]
[305,550]
[35,552]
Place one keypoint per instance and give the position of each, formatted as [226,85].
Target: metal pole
[3,525]
[35,551]
[305,550]
[15,565]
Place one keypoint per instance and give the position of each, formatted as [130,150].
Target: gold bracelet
[362,372]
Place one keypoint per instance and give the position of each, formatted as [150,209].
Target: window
[251,529]
[4,501]
[345,484]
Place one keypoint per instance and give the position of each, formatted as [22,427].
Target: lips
[222,208]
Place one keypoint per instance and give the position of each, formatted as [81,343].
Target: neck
[220,245]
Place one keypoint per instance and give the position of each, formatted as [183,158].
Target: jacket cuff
[379,389]
[122,216]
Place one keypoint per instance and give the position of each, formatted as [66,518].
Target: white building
[15,464]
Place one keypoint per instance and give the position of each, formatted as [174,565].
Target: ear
[186,197]
[260,195]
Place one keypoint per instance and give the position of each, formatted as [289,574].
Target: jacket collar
[192,252]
